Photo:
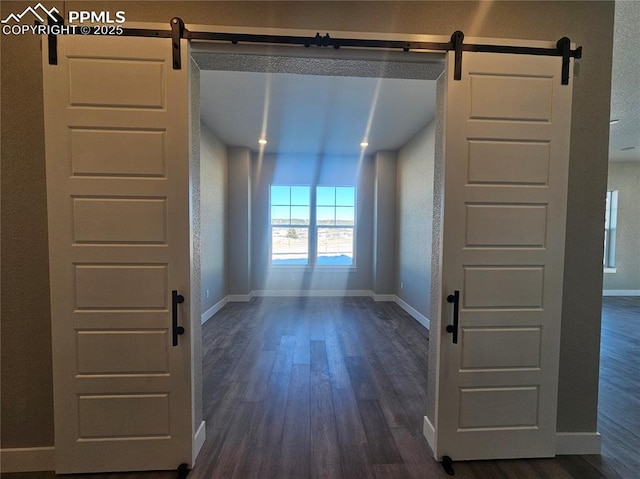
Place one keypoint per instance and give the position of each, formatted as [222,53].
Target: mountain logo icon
[39,11]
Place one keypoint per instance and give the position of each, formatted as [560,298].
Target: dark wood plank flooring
[619,393]
[313,388]
[335,388]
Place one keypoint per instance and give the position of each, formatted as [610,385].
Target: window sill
[331,269]
[610,270]
[281,268]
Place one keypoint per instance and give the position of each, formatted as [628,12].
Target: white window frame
[290,225]
[353,227]
[312,249]
[610,229]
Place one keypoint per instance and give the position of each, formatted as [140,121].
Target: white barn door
[117,150]
[506,150]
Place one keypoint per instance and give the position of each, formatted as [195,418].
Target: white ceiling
[625,83]
[314,114]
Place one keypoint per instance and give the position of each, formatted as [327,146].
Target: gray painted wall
[301,170]
[384,223]
[414,207]
[625,177]
[239,225]
[213,207]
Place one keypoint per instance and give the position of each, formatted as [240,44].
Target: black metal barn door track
[178,31]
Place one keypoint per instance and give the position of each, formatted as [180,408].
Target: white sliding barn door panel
[117,147]
[507,126]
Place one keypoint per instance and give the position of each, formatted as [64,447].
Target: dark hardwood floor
[335,388]
[317,388]
[619,393]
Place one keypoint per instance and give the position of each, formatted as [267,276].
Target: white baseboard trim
[310,292]
[208,314]
[383,297]
[423,320]
[567,443]
[429,433]
[198,441]
[27,459]
[570,443]
[621,292]
[240,298]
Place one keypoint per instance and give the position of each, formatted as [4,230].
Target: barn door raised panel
[117,146]
[506,163]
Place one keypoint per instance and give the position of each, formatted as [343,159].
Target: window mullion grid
[301,226]
[313,227]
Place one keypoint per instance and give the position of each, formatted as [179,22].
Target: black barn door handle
[453,328]
[176,299]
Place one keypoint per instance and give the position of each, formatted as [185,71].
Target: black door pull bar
[176,299]
[453,328]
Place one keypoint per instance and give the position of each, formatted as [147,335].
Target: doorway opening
[323,170]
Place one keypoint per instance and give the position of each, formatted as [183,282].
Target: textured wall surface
[384,255]
[625,177]
[318,66]
[195,188]
[213,168]
[414,204]
[625,78]
[239,225]
[26,375]
[26,353]
[436,295]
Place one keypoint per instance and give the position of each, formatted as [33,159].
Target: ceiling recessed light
[262,141]
[364,144]
[613,122]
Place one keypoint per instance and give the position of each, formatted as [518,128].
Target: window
[313,227]
[610,220]
[290,219]
[335,223]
